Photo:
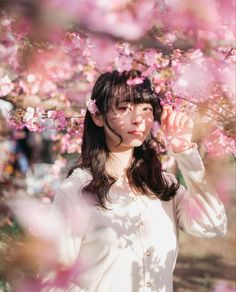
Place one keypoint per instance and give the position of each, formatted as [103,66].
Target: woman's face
[133,122]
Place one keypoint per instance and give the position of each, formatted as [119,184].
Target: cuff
[189,160]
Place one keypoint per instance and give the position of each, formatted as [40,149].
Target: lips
[136,132]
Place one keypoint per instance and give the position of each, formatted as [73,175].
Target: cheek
[149,123]
[117,123]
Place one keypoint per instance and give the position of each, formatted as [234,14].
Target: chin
[135,143]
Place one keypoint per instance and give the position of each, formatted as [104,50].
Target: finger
[163,125]
[190,123]
[177,119]
[171,119]
[183,120]
[164,115]
[164,118]
[167,107]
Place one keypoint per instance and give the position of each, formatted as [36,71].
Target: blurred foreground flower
[31,261]
[223,287]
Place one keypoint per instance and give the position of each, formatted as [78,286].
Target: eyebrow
[118,102]
[124,101]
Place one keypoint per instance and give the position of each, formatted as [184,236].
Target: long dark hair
[145,172]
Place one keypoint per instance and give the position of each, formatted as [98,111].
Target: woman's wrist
[182,148]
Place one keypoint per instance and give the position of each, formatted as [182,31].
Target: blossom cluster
[51,53]
[48,68]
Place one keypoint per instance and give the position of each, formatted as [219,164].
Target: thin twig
[229,54]
[209,108]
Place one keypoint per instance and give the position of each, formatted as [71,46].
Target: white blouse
[132,247]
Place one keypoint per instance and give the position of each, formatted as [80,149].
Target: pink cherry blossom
[194,79]
[159,82]
[36,219]
[227,13]
[57,166]
[6,86]
[59,119]
[124,63]
[61,68]
[102,47]
[28,284]
[224,187]
[223,287]
[91,105]
[218,144]
[150,57]
[135,81]
[69,144]
[188,15]
[34,119]
[228,78]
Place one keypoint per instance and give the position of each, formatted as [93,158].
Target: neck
[119,162]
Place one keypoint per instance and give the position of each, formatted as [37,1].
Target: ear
[98,119]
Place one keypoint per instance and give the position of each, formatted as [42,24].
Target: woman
[121,211]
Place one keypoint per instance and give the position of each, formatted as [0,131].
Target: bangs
[135,94]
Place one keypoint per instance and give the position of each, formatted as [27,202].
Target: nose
[136,117]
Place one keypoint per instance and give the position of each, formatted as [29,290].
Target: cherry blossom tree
[52,51]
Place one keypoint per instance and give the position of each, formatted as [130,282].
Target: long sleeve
[73,213]
[198,209]
[68,243]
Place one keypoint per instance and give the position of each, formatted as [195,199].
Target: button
[148,252]
[142,223]
[148,284]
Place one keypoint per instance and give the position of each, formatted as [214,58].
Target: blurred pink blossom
[62,68]
[228,79]
[218,144]
[194,79]
[91,105]
[150,57]
[46,227]
[35,220]
[118,18]
[59,119]
[135,81]
[46,223]
[6,85]
[70,144]
[186,14]
[124,63]
[224,187]
[51,64]
[158,82]
[22,28]
[102,51]
[34,119]
[223,287]
[18,125]
[227,13]
[129,23]
[57,166]
[28,284]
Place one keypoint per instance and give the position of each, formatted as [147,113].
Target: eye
[148,109]
[124,107]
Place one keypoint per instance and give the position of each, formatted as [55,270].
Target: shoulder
[71,186]
[80,174]
[79,177]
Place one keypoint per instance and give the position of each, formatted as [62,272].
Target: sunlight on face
[133,122]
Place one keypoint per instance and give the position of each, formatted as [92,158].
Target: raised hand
[178,128]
